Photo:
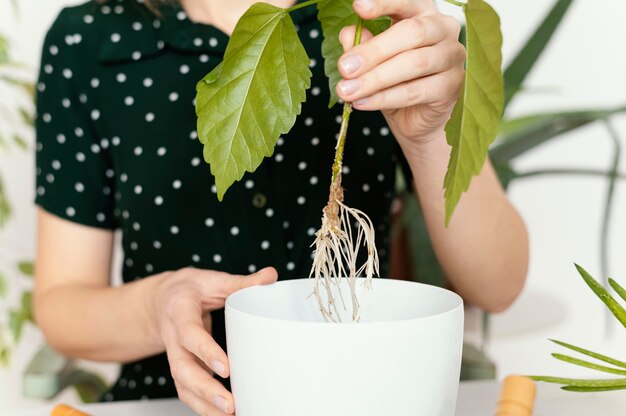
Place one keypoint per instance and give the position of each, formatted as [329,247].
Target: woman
[117,148]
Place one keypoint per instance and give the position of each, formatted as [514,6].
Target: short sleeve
[74,175]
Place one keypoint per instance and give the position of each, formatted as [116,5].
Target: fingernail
[362,101]
[367,5]
[350,64]
[349,86]
[221,403]
[218,367]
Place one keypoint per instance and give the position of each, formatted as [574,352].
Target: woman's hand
[181,300]
[413,72]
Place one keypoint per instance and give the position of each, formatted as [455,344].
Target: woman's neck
[223,14]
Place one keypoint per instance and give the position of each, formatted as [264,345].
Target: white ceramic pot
[402,359]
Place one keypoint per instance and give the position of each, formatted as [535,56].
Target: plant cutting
[614,366]
[261,84]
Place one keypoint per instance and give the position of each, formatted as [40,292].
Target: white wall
[583,67]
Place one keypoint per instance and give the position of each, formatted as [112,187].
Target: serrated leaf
[334,15]
[612,384]
[588,364]
[255,95]
[615,308]
[591,354]
[26,267]
[476,116]
[618,289]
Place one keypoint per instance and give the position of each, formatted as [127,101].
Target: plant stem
[302,5]
[456,3]
[345,120]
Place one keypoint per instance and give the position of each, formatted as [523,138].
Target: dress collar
[136,34]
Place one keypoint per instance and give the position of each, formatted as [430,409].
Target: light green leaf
[4,287]
[16,324]
[584,384]
[5,208]
[618,288]
[591,354]
[334,15]
[476,116]
[604,295]
[26,267]
[588,364]
[27,307]
[254,97]
[522,64]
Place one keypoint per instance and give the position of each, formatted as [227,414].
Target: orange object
[65,410]
[517,397]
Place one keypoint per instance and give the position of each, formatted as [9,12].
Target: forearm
[484,250]
[100,323]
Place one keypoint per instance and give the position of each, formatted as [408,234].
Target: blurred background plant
[47,374]
[415,256]
[16,132]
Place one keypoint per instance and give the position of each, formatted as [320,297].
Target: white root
[336,255]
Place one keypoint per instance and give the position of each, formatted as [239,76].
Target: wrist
[149,295]
[432,147]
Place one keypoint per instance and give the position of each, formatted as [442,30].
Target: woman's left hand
[413,72]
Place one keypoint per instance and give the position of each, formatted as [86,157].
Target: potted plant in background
[414,255]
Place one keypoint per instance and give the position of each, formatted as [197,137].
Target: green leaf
[591,354]
[584,384]
[334,15]
[91,387]
[255,96]
[604,295]
[26,267]
[5,208]
[4,287]
[520,135]
[518,69]
[476,116]
[16,324]
[588,364]
[580,389]
[27,307]
[618,289]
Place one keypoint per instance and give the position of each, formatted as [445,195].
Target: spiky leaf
[591,354]
[618,288]
[476,116]
[588,364]
[334,16]
[583,385]
[521,65]
[255,97]
[604,295]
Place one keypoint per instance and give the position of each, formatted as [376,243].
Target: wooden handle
[517,397]
[65,410]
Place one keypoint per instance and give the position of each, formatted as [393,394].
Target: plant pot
[403,358]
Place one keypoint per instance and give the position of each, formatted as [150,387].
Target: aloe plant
[615,366]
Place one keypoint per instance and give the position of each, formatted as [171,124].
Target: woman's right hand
[181,299]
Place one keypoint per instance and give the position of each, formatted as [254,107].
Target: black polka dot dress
[117,148]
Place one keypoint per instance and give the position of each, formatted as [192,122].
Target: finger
[346,36]
[404,36]
[197,404]
[190,376]
[405,67]
[194,338]
[436,89]
[397,9]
